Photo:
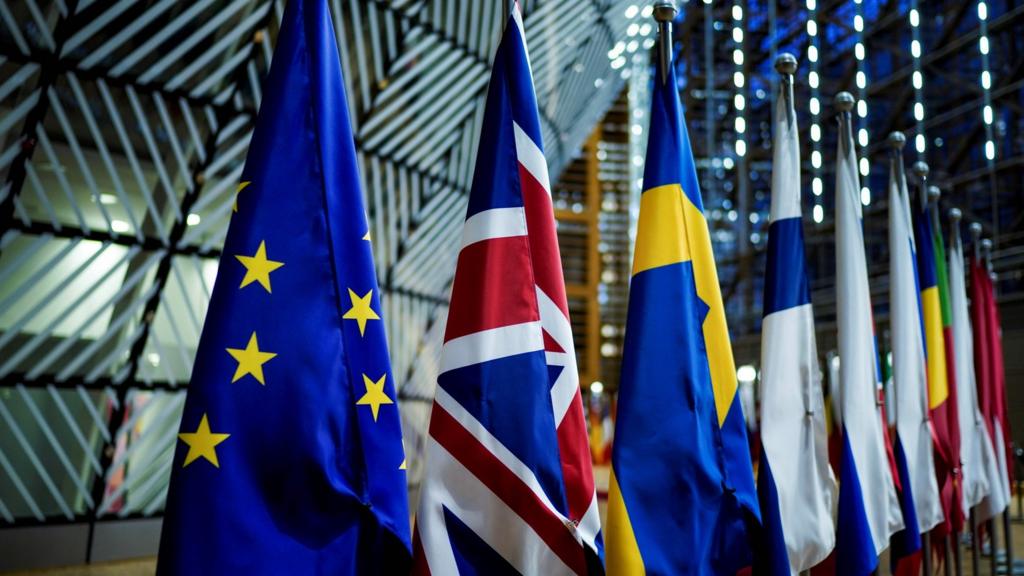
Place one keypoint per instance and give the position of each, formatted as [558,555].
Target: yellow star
[241,186]
[375,395]
[361,310]
[367,235]
[258,267]
[402,466]
[202,443]
[250,360]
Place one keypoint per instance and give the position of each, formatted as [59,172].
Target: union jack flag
[508,484]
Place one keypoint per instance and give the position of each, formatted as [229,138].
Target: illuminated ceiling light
[811,4]
[858,23]
[919,143]
[862,138]
[746,373]
[741,148]
[815,106]
[108,199]
[737,12]
[738,80]
[982,11]
[193,219]
[819,213]
[737,35]
[739,102]
[632,10]
[812,28]
[915,18]
[862,108]
[862,79]
[918,80]
[987,112]
[983,44]
[864,167]
[646,29]
[618,63]
[816,159]
[918,111]
[741,124]
[648,10]
[812,79]
[986,79]
[120,226]
[990,150]
[865,195]
[915,49]
[632,46]
[816,186]
[633,29]
[737,57]
[858,51]
[812,53]
[815,132]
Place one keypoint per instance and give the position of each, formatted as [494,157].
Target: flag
[976,451]
[795,484]
[508,484]
[681,492]
[869,510]
[932,279]
[991,389]
[290,454]
[915,462]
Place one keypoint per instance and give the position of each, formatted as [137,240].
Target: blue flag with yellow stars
[290,457]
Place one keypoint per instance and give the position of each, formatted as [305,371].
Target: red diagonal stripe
[493,473]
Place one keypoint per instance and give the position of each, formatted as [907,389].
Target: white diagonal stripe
[532,158]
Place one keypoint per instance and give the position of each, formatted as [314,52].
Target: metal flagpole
[921,170]
[664,13]
[994,565]
[975,552]
[954,230]
[785,65]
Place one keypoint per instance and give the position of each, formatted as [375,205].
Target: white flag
[792,407]
[864,463]
[980,472]
[909,368]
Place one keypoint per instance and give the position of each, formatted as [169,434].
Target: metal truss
[124,128]
[951,65]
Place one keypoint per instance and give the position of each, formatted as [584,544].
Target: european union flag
[290,458]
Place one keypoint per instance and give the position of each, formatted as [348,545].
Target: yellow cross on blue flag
[290,457]
[681,498]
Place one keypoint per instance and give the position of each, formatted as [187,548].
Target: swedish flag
[290,457]
[681,496]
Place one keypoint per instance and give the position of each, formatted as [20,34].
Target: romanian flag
[681,495]
[942,403]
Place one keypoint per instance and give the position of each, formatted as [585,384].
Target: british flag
[508,485]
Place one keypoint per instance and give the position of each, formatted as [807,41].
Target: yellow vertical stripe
[621,553]
[660,229]
[716,332]
[938,386]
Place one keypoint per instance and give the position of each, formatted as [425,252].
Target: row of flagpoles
[291,456]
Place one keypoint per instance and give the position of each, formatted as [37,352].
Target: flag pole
[986,253]
[976,240]
[921,171]
[844,102]
[785,65]
[665,12]
[955,215]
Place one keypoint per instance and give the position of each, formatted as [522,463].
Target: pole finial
[844,101]
[897,140]
[934,193]
[665,10]
[986,244]
[921,169]
[955,215]
[664,14]
[975,229]
[785,63]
